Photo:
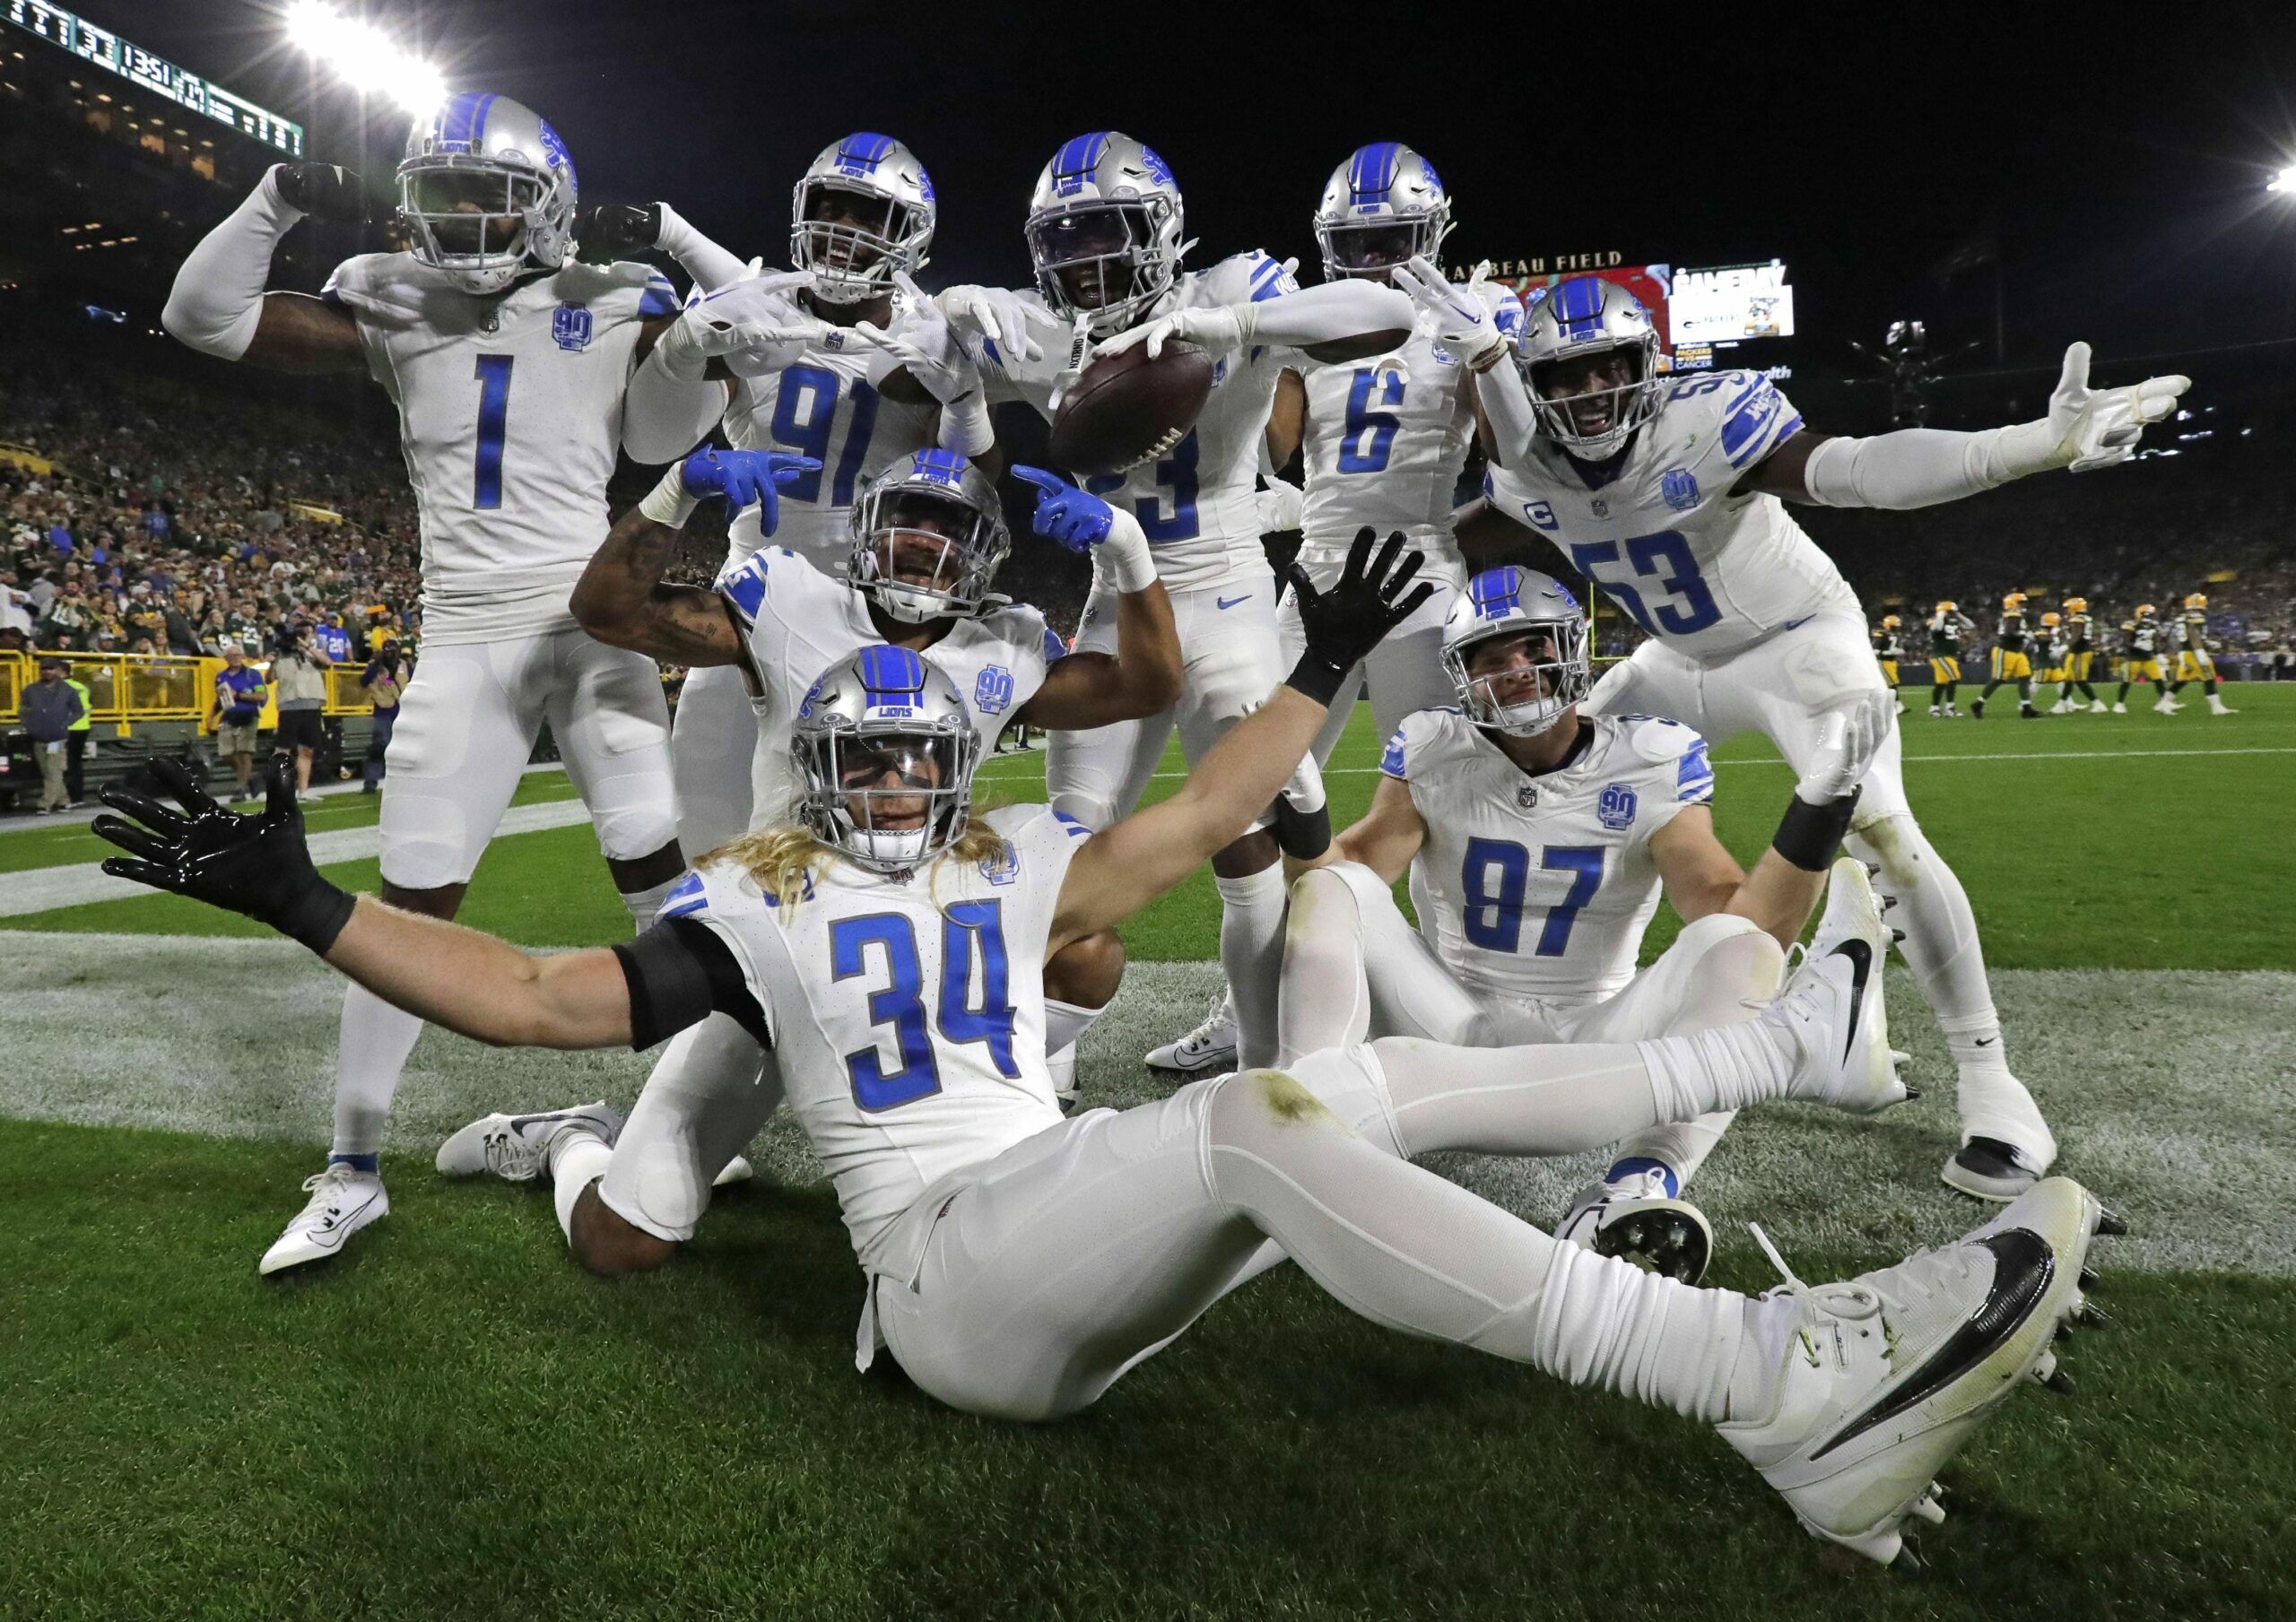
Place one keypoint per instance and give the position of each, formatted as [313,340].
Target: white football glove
[2089,428]
[1849,735]
[981,314]
[1280,506]
[1221,329]
[756,325]
[925,344]
[1465,328]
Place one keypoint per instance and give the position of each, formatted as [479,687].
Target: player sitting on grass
[891,946]
[1542,838]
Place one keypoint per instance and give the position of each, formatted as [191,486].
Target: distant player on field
[1947,627]
[2194,663]
[2013,658]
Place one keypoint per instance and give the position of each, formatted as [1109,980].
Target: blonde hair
[784,858]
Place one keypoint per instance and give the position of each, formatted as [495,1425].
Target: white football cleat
[2119,709]
[1991,1169]
[1889,1373]
[344,1199]
[517,1148]
[1635,1218]
[2166,706]
[1207,1050]
[737,1170]
[1832,1007]
[2217,707]
[2097,708]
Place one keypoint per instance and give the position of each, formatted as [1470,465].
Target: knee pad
[1257,1110]
[1893,842]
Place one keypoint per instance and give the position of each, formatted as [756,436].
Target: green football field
[453,1420]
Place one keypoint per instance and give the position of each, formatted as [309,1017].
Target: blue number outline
[1584,861]
[810,437]
[1646,555]
[1501,931]
[1176,472]
[856,443]
[964,924]
[899,1003]
[493,375]
[1382,425]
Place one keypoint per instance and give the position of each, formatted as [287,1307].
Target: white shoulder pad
[1021,626]
[1424,740]
[1679,752]
[391,286]
[1034,835]
[1244,277]
[743,583]
[720,890]
[1739,416]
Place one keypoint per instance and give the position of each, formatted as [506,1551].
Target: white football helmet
[929,533]
[883,182]
[878,713]
[1381,207]
[478,161]
[1589,316]
[1528,697]
[1104,231]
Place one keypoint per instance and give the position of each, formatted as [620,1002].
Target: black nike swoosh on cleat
[1861,966]
[2023,1264]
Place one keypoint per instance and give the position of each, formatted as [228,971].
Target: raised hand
[616,228]
[927,345]
[257,866]
[325,191]
[1465,328]
[1342,625]
[990,315]
[1849,737]
[1077,518]
[743,477]
[756,325]
[2096,427]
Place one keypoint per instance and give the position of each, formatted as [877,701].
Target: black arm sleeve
[680,973]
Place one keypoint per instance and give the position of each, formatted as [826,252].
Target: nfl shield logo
[1616,809]
[1680,489]
[570,325]
[1527,796]
[1600,508]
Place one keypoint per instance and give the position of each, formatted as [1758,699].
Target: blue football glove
[1075,518]
[743,477]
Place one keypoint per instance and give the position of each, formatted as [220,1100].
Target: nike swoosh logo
[1986,1041]
[1861,964]
[332,1231]
[1232,602]
[1792,624]
[2023,1264]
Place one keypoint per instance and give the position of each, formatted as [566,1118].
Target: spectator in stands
[239,694]
[384,680]
[48,709]
[300,669]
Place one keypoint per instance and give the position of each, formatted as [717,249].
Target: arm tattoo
[622,598]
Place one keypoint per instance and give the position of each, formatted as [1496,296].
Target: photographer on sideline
[384,680]
[300,669]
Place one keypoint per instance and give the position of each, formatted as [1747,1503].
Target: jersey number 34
[968,928]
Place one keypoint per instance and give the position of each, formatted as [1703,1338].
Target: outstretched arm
[1118,873]
[1143,677]
[1338,321]
[218,304]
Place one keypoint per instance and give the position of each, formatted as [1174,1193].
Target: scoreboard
[104,48]
[1697,313]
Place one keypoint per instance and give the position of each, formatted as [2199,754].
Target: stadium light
[2284,182]
[363,56]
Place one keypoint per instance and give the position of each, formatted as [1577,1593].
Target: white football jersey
[822,406]
[1386,441]
[1702,571]
[510,412]
[1198,504]
[1541,886]
[906,1014]
[798,621]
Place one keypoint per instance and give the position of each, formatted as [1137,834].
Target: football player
[1947,626]
[2013,658]
[926,539]
[2079,653]
[1018,1265]
[1889,648]
[508,363]
[2194,661]
[1106,235]
[1540,841]
[1666,492]
[2140,646]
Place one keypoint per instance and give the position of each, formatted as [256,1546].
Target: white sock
[643,903]
[370,1049]
[578,1158]
[1065,1025]
[1251,949]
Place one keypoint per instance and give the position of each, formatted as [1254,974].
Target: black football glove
[258,866]
[609,231]
[325,191]
[1347,622]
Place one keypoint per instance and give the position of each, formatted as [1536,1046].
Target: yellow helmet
[2145,611]
[2197,600]
[2014,601]
[2076,605]
[1889,622]
[1948,606]
[2051,619]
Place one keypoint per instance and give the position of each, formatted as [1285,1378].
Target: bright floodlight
[2284,181]
[363,56]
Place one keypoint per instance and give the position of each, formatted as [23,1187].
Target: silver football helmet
[1587,316]
[1104,231]
[487,191]
[1527,695]
[885,751]
[863,210]
[929,533]
[1380,207]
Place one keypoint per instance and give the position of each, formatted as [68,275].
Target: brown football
[1125,408]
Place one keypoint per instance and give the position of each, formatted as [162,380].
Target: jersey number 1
[900,1001]
[493,424]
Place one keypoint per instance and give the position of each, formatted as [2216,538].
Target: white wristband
[668,503]
[1124,559]
[965,426]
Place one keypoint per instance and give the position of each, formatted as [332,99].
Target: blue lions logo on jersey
[1615,808]
[1002,865]
[993,692]
[1679,486]
[570,325]
[1391,762]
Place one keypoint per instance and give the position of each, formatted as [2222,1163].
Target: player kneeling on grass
[1543,838]
[1020,1263]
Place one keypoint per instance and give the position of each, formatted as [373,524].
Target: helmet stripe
[458,122]
[1080,157]
[1372,173]
[861,152]
[1579,299]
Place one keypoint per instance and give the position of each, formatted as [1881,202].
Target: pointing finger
[2076,368]
[1052,484]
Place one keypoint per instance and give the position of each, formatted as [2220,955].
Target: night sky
[2118,156]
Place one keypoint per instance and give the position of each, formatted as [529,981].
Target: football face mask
[924,554]
[1101,262]
[1522,678]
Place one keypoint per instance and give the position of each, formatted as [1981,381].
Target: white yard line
[41,890]
[2049,754]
